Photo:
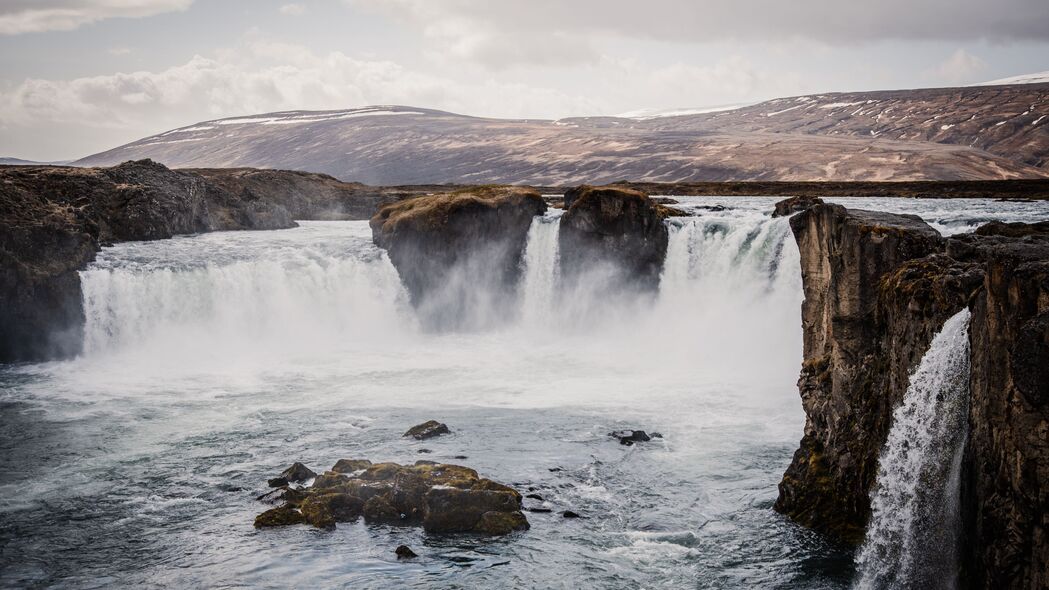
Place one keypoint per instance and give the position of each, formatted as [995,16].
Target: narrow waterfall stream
[539,285]
[912,538]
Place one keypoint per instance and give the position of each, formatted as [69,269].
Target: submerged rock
[405,552]
[441,498]
[629,437]
[428,429]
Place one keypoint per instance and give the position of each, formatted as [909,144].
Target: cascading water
[214,361]
[215,295]
[912,538]
[730,293]
[539,284]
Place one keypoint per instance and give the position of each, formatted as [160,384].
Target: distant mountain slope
[21,162]
[937,134]
[1008,121]
[1036,78]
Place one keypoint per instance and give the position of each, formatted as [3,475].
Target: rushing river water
[212,362]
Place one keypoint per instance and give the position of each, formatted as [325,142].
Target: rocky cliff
[459,254]
[53,219]
[877,289]
[1005,488]
[847,383]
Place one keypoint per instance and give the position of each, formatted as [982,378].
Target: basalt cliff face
[1005,486]
[877,289]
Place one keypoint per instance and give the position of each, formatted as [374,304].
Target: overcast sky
[81,76]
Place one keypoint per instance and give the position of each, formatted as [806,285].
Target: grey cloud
[35,16]
[829,21]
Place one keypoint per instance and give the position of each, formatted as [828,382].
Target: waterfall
[229,293]
[539,282]
[912,538]
[730,295]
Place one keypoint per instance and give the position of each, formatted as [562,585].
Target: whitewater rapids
[212,362]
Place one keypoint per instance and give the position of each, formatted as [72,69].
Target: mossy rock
[350,465]
[280,516]
[501,523]
[379,510]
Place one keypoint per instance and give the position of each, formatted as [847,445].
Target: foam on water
[214,361]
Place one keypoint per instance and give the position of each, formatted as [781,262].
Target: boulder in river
[428,429]
[442,498]
[629,437]
[405,552]
[297,473]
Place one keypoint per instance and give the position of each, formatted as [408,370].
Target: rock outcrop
[614,235]
[877,289]
[441,498]
[54,218]
[845,379]
[459,254]
[305,195]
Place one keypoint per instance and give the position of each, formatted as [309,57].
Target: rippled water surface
[212,362]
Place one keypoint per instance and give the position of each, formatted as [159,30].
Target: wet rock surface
[615,231]
[442,498]
[53,219]
[428,429]
[878,287]
[459,254]
[630,437]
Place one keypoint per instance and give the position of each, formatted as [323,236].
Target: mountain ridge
[967,133]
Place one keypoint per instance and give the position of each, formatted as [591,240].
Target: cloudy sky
[80,76]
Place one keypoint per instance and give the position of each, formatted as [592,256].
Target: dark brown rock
[853,372]
[441,497]
[428,429]
[350,465]
[459,254]
[405,552]
[453,510]
[614,233]
[280,516]
[379,510]
[1005,485]
[298,473]
[792,205]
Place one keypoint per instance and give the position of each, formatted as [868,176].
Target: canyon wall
[877,289]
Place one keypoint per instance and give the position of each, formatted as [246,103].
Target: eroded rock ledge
[877,288]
